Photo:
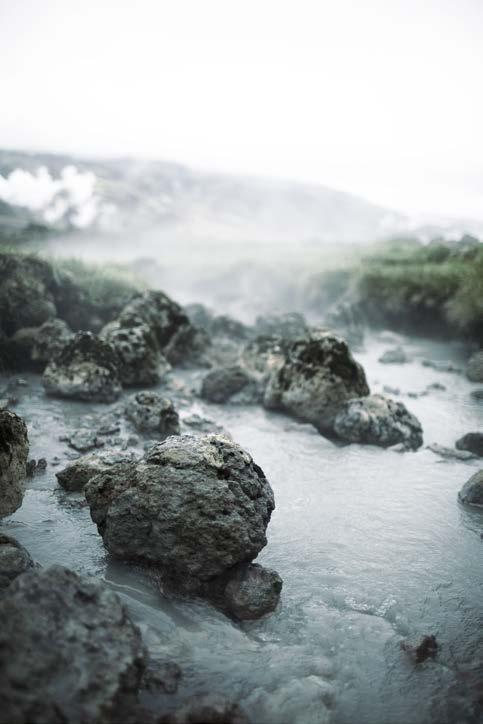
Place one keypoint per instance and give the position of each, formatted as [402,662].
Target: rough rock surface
[472,491]
[14,449]
[195,507]
[87,368]
[226,383]
[252,591]
[151,413]
[50,339]
[76,475]
[474,369]
[472,442]
[291,325]
[25,292]
[395,356]
[69,653]
[317,376]
[207,709]
[141,361]
[377,420]
[14,560]
[263,355]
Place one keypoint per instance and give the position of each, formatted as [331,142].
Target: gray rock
[151,413]
[377,420]
[395,356]
[291,325]
[25,292]
[207,709]
[76,475]
[87,368]
[14,449]
[474,369]
[262,356]
[472,491]
[14,560]
[84,440]
[229,384]
[317,376]
[70,654]
[442,366]
[450,452]
[252,592]
[194,507]
[472,442]
[163,676]
[50,339]
[141,360]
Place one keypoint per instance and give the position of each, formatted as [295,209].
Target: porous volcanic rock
[14,560]
[14,449]
[142,362]
[149,412]
[77,474]
[229,383]
[50,339]
[252,591]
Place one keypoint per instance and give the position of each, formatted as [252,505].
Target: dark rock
[291,325]
[202,424]
[49,340]
[226,383]
[194,507]
[395,356]
[472,442]
[391,390]
[84,440]
[141,360]
[317,376]
[450,452]
[14,560]
[436,386]
[477,394]
[69,654]
[474,369]
[151,413]
[252,591]
[377,420]
[76,475]
[207,709]
[427,649]
[87,368]
[262,356]
[26,299]
[162,676]
[14,448]
[472,491]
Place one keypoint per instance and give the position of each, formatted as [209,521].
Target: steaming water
[372,546]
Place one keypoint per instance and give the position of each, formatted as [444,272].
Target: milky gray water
[372,546]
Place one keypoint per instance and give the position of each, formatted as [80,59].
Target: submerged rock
[474,369]
[194,507]
[70,652]
[427,649]
[14,449]
[50,339]
[441,366]
[472,491]
[76,475]
[472,442]
[141,361]
[450,452]
[395,356]
[377,420]
[229,384]
[87,368]
[252,591]
[151,413]
[317,376]
[207,709]
[14,560]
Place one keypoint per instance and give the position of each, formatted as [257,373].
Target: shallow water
[372,546]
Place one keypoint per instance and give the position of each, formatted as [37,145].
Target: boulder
[26,298]
[49,340]
[87,368]
[14,449]
[141,361]
[252,592]
[69,653]
[474,369]
[207,709]
[151,413]
[77,474]
[395,356]
[229,384]
[450,452]
[262,356]
[14,560]
[378,420]
[472,442]
[291,325]
[194,507]
[472,491]
[316,377]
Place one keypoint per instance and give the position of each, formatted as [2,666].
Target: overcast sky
[379,97]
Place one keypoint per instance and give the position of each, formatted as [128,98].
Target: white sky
[379,97]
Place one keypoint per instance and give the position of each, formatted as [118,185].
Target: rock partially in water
[474,369]
[69,653]
[87,368]
[426,649]
[232,384]
[291,325]
[207,709]
[163,676]
[14,449]
[450,452]
[151,413]
[49,340]
[83,440]
[378,420]
[141,361]
[194,507]
[472,442]
[317,376]
[472,491]
[14,560]
[76,475]
[252,591]
[395,356]
[442,366]
[262,356]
